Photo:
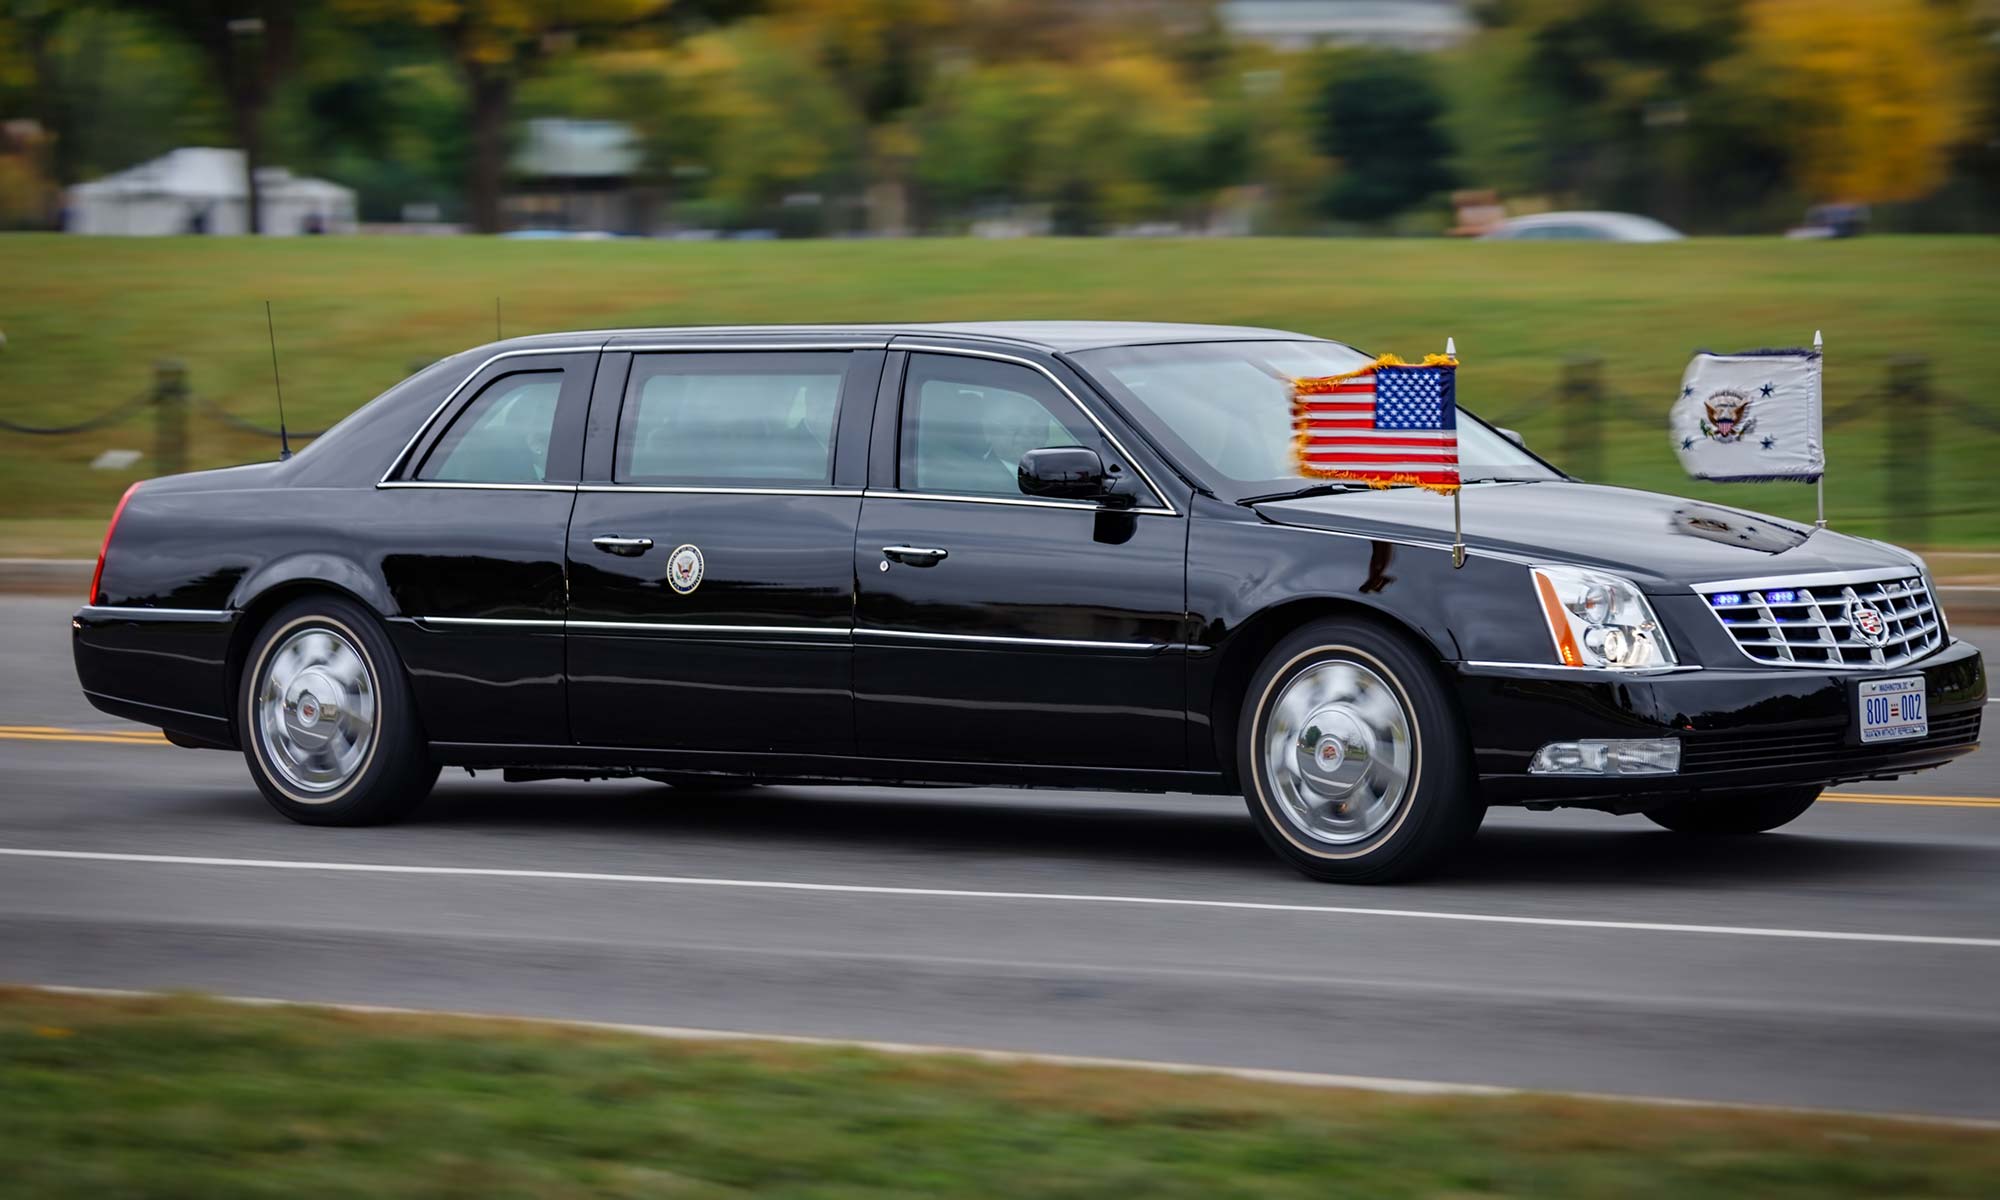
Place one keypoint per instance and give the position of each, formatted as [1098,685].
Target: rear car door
[992,626]
[467,530]
[711,551]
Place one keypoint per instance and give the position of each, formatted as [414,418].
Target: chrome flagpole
[1457,519]
[1819,485]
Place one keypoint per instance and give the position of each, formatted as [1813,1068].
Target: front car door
[996,627]
[711,553]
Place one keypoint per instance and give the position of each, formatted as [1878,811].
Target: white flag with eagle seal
[1750,417]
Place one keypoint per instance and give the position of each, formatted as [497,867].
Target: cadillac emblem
[684,568]
[1868,625]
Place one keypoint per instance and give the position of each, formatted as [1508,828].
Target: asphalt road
[1851,961]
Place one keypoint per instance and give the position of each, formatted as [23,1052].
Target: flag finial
[1450,348]
[1817,343]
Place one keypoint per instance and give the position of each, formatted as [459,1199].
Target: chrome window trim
[118,612]
[994,639]
[696,490]
[731,347]
[1017,501]
[449,485]
[1166,504]
[397,463]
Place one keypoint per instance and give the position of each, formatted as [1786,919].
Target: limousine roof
[1059,336]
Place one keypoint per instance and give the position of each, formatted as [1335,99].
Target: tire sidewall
[1439,783]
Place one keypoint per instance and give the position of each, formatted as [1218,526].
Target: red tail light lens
[97,576]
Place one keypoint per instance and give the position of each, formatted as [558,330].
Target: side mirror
[1063,473]
[1514,436]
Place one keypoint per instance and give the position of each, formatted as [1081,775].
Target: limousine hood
[1660,542]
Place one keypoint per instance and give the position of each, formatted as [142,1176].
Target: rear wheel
[1353,758]
[1744,812]
[329,722]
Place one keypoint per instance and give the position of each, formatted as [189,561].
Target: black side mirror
[1063,473]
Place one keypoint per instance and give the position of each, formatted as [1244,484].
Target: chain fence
[1587,405]
[171,403]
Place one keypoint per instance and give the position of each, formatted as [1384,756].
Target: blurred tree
[1878,93]
[249,46]
[1380,114]
[495,44]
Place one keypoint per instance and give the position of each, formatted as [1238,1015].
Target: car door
[467,530]
[992,626]
[711,552]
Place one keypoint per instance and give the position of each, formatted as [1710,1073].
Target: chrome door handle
[629,547]
[916,556]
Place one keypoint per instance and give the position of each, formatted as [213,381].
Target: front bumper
[1740,728]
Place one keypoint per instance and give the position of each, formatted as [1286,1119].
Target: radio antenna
[284,439]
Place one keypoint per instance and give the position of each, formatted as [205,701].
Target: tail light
[97,576]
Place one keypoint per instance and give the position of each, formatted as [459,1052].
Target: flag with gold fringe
[1385,424]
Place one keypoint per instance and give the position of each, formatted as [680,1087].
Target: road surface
[1851,961]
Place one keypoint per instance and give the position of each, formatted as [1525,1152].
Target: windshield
[1225,410]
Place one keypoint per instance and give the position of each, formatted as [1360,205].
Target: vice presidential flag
[1750,417]
[1386,424]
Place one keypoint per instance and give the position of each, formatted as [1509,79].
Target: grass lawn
[85,319]
[186,1097]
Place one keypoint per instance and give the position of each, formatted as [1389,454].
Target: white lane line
[861,889]
[1310,1079]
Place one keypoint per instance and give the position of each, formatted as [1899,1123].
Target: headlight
[1600,620]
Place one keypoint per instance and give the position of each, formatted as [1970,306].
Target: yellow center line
[1927,801]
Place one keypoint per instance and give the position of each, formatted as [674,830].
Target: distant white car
[1582,227]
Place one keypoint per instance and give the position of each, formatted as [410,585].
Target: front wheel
[328,720]
[1353,757]
[1730,812]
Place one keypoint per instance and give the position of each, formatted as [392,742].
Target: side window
[502,436]
[968,421]
[729,419]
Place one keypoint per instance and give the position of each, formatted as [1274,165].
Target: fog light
[1634,756]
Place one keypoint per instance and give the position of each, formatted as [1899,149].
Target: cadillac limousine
[1046,554]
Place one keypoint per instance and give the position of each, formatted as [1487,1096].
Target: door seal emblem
[685,568]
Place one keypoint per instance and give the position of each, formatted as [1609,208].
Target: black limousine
[1052,554]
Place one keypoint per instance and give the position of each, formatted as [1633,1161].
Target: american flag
[1384,425]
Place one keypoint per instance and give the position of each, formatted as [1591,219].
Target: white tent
[201,189]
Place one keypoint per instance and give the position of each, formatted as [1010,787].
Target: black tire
[392,772]
[1439,809]
[1734,812]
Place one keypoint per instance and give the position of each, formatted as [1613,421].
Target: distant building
[579,176]
[200,189]
[1416,25]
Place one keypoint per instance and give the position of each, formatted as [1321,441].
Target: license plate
[1892,709]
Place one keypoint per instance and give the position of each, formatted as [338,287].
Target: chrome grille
[1811,623]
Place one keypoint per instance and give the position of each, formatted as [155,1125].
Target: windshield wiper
[1317,489]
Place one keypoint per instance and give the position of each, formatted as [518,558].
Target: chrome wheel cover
[1338,752]
[315,712]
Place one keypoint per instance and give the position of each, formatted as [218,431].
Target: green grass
[185,1097]
[86,318]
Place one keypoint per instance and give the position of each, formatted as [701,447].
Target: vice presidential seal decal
[684,568]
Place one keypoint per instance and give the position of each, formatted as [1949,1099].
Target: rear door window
[730,419]
[502,436]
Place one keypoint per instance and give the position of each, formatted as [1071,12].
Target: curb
[46,576]
[1968,603]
